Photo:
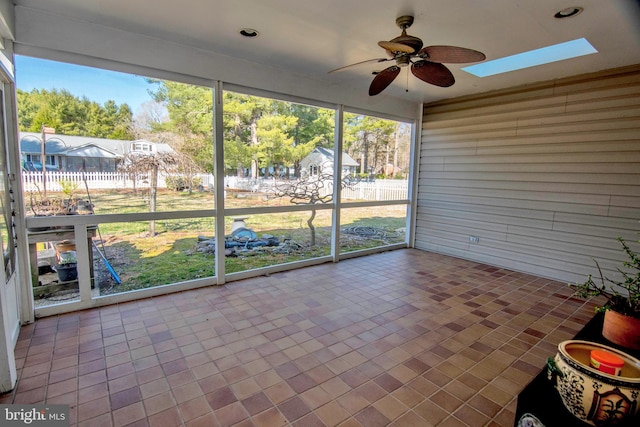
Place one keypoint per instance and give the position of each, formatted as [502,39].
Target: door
[9,291]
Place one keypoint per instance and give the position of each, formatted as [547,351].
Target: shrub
[180,182]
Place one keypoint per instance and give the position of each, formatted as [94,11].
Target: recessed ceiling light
[545,55]
[249,32]
[568,12]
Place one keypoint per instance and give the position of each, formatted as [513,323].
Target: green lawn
[171,255]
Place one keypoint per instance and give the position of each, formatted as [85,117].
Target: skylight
[545,55]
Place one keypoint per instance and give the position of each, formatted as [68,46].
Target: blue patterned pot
[595,397]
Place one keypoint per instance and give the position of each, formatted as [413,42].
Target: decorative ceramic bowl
[595,397]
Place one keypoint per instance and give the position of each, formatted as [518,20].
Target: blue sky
[97,85]
[532,58]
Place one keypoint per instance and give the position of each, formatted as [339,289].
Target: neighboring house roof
[81,146]
[347,160]
[30,142]
[161,147]
[90,150]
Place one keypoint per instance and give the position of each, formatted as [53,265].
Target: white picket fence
[33,181]
[382,189]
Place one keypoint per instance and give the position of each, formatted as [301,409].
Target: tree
[367,137]
[71,115]
[242,113]
[258,132]
[190,119]
[314,125]
[310,190]
[401,148]
[238,114]
[275,147]
[150,116]
[137,165]
[315,128]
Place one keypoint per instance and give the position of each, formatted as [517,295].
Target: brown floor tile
[309,420]
[301,383]
[352,402]
[390,407]
[371,417]
[220,397]
[471,416]
[431,412]
[103,420]
[270,418]
[280,392]
[409,419]
[128,414]
[159,403]
[371,391]
[257,403]
[294,409]
[231,414]
[167,418]
[315,397]
[93,408]
[125,398]
[332,413]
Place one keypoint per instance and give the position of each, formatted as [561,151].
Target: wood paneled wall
[546,176]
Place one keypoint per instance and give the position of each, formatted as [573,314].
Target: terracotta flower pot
[621,329]
[64,246]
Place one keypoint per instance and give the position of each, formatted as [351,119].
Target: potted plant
[66,204]
[67,267]
[622,306]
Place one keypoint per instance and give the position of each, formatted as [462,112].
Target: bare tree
[150,117]
[310,190]
[149,165]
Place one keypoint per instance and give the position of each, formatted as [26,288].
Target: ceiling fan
[426,62]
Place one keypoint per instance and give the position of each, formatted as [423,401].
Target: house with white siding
[320,161]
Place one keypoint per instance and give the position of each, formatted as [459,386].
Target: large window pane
[143,138]
[7,241]
[263,240]
[370,227]
[376,153]
[139,260]
[53,265]
[269,146]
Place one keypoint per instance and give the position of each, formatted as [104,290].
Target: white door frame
[11,293]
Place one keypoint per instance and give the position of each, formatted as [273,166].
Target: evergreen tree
[71,115]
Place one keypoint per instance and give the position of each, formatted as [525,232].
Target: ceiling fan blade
[383,79]
[433,72]
[395,47]
[360,63]
[451,54]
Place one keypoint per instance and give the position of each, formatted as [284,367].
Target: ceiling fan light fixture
[568,12]
[249,32]
[403,61]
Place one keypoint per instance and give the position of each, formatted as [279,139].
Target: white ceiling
[301,40]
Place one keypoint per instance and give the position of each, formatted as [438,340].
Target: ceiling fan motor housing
[405,22]
[411,41]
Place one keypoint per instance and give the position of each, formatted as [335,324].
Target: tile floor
[403,338]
